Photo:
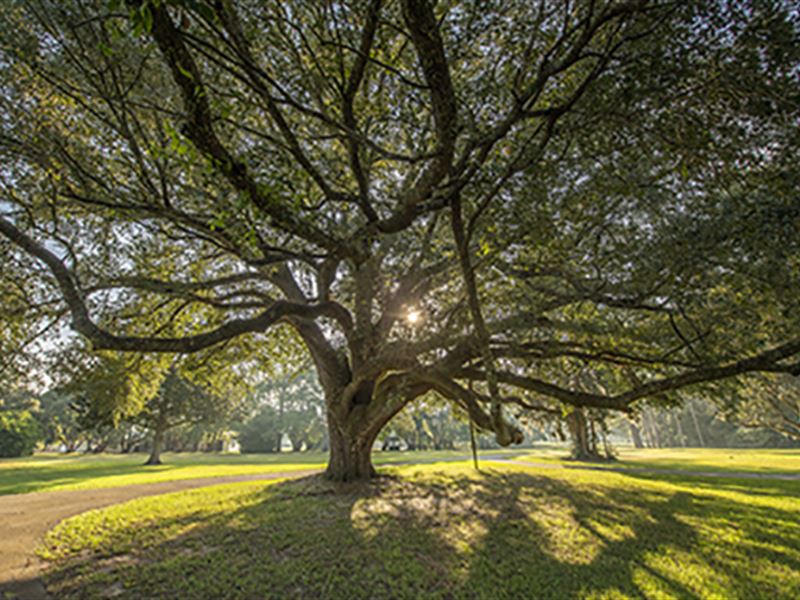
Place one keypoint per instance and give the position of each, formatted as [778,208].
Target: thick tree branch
[424,30]
[768,361]
[200,129]
[103,340]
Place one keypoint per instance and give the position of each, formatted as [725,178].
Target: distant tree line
[287,413]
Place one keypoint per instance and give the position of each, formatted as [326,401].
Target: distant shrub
[19,433]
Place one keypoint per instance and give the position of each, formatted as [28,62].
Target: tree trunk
[648,420]
[155,452]
[636,435]
[101,446]
[698,431]
[679,428]
[353,428]
[350,454]
[579,432]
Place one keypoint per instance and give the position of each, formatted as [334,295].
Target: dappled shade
[440,534]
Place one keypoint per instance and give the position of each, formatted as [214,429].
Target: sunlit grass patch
[48,472]
[439,531]
[761,461]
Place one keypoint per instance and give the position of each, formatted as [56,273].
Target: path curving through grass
[25,519]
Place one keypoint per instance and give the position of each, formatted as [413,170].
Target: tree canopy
[541,204]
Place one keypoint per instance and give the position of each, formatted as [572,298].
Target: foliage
[771,403]
[702,423]
[261,433]
[430,425]
[58,420]
[290,404]
[575,534]
[181,402]
[584,203]
[19,433]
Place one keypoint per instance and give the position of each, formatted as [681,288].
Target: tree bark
[350,452]
[698,431]
[636,435]
[579,432]
[155,452]
[353,427]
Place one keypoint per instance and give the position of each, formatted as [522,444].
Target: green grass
[45,472]
[441,531]
[730,460]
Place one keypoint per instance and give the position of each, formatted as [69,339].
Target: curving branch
[470,401]
[424,31]
[103,340]
[767,361]
[199,128]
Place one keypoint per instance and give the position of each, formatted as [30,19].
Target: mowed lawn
[730,460]
[442,531]
[45,472]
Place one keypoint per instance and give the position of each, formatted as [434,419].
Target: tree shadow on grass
[451,535]
[749,486]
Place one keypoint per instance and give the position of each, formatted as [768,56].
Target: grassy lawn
[441,531]
[690,459]
[45,472]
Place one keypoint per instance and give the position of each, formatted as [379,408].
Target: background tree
[19,430]
[117,398]
[261,432]
[771,403]
[483,200]
[177,403]
[60,422]
[290,404]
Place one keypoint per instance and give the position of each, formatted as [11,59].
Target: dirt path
[25,518]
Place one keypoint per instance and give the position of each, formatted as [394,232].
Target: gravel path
[25,518]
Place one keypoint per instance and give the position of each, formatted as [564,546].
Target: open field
[44,472]
[763,461]
[441,531]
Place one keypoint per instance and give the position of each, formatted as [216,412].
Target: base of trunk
[350,460]
[153,461]
[353,466]
[589,456]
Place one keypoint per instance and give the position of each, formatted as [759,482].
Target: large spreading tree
[546,204]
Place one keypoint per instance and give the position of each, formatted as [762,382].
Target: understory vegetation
[439,531]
